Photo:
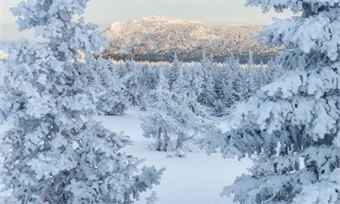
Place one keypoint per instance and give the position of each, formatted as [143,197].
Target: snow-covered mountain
[157,38]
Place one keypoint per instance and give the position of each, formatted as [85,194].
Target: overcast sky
[104,12]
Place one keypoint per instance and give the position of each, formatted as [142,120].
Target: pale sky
[105,12]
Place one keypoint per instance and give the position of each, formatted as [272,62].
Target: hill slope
[157,38]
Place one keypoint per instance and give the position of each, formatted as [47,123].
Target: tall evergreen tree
[207,93]
[229,81]
[54,151]
[175,118]
[130,79]
[220,90]
[160,122]
[235,76]
[109,89]
[189,114]
[196,81]
[272,72]
[174,72]
[291,128]
[148,81]
[247,82]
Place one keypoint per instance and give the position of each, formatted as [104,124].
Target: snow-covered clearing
[195,179]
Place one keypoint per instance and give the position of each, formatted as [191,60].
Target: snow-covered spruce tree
[291,128]
[54,151]
[261,76]
[130,80]
[221,92]
[148,81]
[175,118]
[195,81]
[272,71]
[174,72]
[109,89]
[189,113]
[229,72]
[247,82]
[160,123]
[207,92]
[234,78]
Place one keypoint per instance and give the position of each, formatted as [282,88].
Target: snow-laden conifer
[160,123]
[54,151]
[175,118]
[291,128]
[130,80]
[109,89]
[207,93]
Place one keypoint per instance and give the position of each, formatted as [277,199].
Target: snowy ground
[195,179]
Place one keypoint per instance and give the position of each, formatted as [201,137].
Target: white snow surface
[195,179]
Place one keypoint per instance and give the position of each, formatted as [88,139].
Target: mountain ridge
[157,38]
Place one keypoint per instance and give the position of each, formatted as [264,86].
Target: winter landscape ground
[196,174]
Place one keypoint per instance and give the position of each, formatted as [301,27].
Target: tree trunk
[166,141]
[159,142]
[180,140]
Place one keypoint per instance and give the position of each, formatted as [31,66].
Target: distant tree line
[185,57]
[179,97]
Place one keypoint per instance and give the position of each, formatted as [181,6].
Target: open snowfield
[195,179]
